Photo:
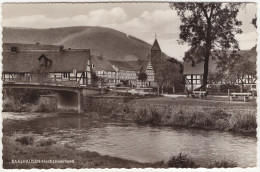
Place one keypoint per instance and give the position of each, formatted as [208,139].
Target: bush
[25,140]
[223,164]
[155,118]
[9,106]
[23,95]
[219,113]
[196,117]
[245,120]
[181,161]
[41,108]
[202,119]
[233,88]
[46,142]
[221,124]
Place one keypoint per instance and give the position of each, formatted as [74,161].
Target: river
[140,143]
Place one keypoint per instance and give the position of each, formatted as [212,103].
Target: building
[106,74]
[194,72]
[156,55]
[46,63]
[127,72]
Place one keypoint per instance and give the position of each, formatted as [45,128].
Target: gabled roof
[156,46]
[198,68]
[62,61]
[101,64]
[144,66]
[137,65]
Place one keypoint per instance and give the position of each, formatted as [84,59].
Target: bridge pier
[79,102]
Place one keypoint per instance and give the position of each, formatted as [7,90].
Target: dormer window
[44,62]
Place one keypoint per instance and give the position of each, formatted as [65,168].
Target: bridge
[69,97]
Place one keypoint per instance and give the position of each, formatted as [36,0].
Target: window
[197,79]
[8,77]
[66,75]
[13,49]
[249,79]
[193,79]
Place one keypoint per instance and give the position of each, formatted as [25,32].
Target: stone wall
[108,106]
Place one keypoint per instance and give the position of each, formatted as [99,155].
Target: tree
[39,74]
[142,76]
[232,68]
[171,75]
[207,26]
[168,73]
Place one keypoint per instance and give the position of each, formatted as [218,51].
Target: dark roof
[62,61]
[198,68]
[144,66]
[156,46]
[27,47]
[101,64]
[138,65]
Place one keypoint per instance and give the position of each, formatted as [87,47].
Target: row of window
[197,79]
[105,72]
[149,72]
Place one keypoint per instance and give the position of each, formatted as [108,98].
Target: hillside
[112,44]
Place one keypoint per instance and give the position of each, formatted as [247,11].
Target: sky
[141,20]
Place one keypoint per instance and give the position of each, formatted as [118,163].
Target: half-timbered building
[128,71]
[194,72]
[106,74]
[46,63]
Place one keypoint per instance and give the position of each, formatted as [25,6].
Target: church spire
[156,46]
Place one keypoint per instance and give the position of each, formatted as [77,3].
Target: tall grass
[184,161]
[197,117]
[25,140]
[223,164]
[181,161]
[245,121]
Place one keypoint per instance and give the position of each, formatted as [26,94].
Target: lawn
[216,102]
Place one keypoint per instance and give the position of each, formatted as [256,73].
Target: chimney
[13,49]
[101,57]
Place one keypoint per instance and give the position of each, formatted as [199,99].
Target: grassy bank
[197,117]
[30,147]
[184,112]
[16,106]
[195,113]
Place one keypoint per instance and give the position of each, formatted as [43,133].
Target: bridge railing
[45,80]
[33,79]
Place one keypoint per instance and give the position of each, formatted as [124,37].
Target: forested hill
[110,43]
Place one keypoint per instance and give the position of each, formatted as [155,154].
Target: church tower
[156,54]
[156,51]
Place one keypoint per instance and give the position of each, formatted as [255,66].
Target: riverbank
[182,112]
[41,153]
[41,149]
[235,120]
